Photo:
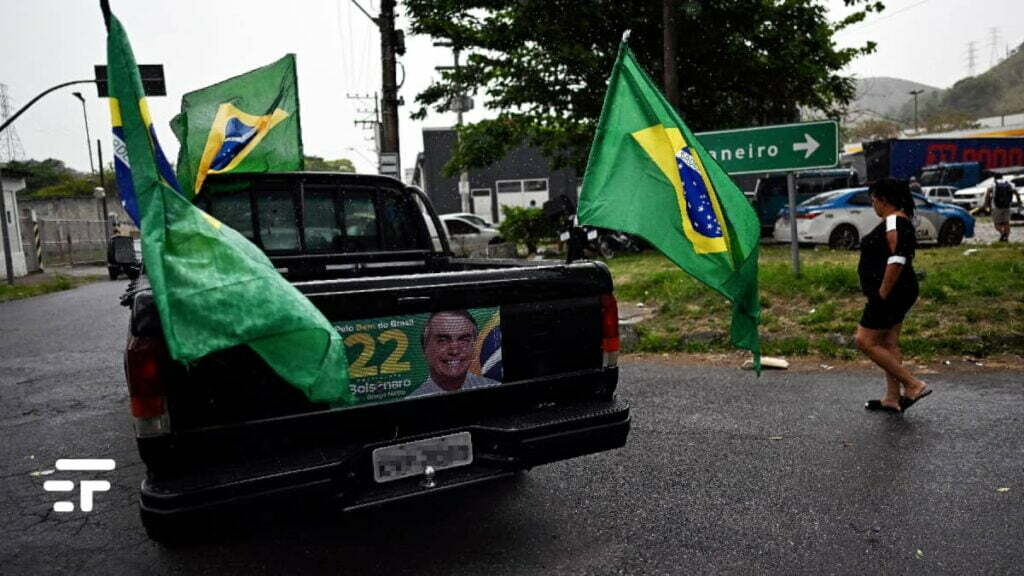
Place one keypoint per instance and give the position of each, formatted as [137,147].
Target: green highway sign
[781,148]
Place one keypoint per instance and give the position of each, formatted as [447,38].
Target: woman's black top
[875,256]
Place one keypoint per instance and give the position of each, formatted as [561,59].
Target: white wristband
[890,223]
[896,260]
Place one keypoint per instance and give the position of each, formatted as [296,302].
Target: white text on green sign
[774,148]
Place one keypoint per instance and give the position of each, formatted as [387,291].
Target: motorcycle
[586,239]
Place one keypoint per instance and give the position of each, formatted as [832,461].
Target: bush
[526,226]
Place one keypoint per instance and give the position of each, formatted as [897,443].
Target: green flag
[647,175]
[213,288]
[249,123]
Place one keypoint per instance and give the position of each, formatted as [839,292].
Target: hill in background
[998,91]
[884,106]
[882,98]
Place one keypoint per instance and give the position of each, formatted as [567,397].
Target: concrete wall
[73,209]
[11,185]
[522,163]
[71,230]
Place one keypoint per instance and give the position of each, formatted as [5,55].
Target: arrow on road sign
[809,145]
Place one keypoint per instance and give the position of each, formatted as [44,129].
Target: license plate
[412,458]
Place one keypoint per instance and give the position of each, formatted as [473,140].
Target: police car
[842,217]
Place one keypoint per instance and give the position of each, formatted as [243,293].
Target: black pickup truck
[463,370]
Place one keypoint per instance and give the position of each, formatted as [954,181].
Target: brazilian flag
[647,175]
[249,123]
[212,287]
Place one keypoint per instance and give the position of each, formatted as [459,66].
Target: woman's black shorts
[884,314]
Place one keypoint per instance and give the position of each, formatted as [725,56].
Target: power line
[868,23]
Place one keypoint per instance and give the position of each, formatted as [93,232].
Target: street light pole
[460,107]
[88,138]
[915,94]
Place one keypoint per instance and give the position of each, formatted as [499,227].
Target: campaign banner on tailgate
[422,354]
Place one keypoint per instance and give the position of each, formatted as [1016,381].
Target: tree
[51,178]
[740,63]
[318,164]
[948,119]
[872,129]
[526,226]
[43,173]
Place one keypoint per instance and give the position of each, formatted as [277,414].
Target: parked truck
[948,159]
[538,341]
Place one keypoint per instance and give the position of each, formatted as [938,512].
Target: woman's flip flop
[877,406]
[906,403]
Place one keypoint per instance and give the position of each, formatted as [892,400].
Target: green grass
[972,305]
[55,284]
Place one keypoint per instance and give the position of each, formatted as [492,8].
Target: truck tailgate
[551,331]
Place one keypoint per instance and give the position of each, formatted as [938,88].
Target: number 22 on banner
[394,364]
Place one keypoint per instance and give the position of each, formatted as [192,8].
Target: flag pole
[105,8]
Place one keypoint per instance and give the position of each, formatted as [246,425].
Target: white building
[9,185]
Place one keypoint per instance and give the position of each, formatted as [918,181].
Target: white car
[842,217]
[971,198]
[939,193]
[472,219]
[467,236]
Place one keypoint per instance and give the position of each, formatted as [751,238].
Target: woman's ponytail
[907,199]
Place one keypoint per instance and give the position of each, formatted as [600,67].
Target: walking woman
[888,280]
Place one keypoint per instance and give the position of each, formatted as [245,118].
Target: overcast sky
[46,42]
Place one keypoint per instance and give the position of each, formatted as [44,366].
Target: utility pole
[103,184]
[671,73]
[389,90]
[392,42]
[915,94]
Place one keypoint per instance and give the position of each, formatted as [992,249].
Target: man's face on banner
[448,347]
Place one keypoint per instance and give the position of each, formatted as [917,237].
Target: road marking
[85,464]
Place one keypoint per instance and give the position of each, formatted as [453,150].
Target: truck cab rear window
[278,225]
[233,209]
[318,218]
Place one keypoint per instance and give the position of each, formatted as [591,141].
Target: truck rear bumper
[500,447]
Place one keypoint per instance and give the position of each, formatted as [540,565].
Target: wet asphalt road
[722,474]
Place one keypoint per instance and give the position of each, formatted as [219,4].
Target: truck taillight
[144,363]
[609,330]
